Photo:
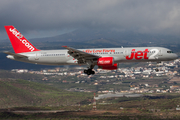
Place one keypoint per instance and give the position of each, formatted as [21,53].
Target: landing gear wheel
[85,71]
[89,72]
[157,70]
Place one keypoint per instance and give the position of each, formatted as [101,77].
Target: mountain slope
[18,93]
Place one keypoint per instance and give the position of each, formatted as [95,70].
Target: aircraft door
[37,56]
[160,53]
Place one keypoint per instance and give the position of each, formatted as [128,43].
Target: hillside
[18,93]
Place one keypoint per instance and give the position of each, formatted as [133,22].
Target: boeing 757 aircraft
[104,58]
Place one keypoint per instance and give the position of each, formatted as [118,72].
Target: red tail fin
[19,42]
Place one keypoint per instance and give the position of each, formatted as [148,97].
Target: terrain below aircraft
[104,58]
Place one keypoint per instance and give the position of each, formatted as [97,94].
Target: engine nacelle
[105,61]
[113,67]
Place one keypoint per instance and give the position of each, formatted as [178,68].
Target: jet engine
[113,67]
[107,63]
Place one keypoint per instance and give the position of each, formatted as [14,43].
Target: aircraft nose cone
[175,56]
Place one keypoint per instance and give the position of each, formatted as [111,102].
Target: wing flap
[80,54]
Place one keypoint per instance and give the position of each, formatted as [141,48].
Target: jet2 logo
[104,62]
[20,37]
[138,55]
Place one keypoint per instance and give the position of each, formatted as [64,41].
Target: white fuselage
[133,54]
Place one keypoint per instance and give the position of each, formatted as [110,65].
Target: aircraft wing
[15,55]
[78,54]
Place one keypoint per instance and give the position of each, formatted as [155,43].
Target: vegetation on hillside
[17,93]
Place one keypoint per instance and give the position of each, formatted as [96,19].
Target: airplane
[104,58]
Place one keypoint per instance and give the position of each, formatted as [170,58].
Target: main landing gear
[90,65]
[89,72]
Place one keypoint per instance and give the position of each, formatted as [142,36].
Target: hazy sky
[51,17]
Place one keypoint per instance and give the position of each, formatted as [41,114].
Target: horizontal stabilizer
[15,55]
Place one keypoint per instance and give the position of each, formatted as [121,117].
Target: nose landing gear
[157,70]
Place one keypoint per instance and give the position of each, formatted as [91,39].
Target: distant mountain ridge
[87,35]
[104,37]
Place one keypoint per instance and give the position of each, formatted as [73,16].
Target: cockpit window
[169,51]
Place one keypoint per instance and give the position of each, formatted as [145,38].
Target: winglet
[64,46]
[19,42]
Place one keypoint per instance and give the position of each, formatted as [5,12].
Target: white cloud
[157,16]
